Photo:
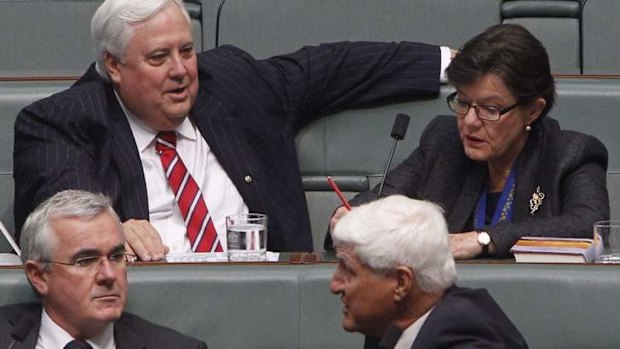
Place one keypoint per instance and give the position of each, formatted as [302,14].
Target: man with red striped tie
[179,140]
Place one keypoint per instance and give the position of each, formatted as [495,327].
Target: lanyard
[503,211]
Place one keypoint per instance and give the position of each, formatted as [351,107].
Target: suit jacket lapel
[30,341]
[125,153]
[125,338]
[227,139]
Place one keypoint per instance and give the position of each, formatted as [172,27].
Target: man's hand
[143,240]
[339,213]
[465,245]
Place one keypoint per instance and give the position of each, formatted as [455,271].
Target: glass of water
[610,232]
[246,237]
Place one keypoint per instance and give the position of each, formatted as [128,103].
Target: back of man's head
[398,231]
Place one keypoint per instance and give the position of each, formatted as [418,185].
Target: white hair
[398,231]
[38,241]
[111,26]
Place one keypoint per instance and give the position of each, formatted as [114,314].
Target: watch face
[484,238]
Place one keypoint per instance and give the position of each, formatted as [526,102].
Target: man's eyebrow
[89,252]
[86,252]
[118,248]
[345,260]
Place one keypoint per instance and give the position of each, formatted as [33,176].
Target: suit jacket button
[248,179]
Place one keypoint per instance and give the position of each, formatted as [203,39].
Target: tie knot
[166,140]
[75,344]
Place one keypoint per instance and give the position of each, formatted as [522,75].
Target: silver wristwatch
[484,239]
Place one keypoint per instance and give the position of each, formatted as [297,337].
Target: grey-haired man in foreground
[73,250]
[396,275]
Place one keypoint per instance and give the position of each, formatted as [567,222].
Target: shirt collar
[144,135]
[411,333]
[51,335]
[395,338]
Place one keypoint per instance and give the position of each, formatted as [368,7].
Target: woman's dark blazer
[569,167]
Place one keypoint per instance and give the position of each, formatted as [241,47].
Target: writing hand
[339,213]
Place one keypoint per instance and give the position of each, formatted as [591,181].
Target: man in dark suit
[74,257]
[396,277]
[235,119]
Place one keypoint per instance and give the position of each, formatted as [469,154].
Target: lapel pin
[536,200]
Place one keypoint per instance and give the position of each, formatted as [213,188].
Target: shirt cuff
[446,58]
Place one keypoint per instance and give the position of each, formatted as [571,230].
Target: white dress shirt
[446,58]
[52,336]
[220,194]
[411,333]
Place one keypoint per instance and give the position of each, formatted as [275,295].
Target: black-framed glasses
[91,264]
[484,112]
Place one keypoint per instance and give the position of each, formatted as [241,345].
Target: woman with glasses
[500,167]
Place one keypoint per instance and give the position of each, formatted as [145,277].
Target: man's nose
[335,285]
[107,272]
[178,66]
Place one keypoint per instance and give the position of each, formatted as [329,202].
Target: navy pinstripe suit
[248,111]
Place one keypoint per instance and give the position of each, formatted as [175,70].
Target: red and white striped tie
[200,229]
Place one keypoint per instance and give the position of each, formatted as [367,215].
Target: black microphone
[19,334]
[398,132]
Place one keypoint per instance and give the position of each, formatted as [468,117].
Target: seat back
[556,24]
[52,38]
[601,47]
[266,28]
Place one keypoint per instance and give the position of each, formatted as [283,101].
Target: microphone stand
[399,129]
[387,167]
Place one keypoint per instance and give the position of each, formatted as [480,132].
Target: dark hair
[511,53]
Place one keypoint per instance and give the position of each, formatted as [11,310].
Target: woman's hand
[339,213]
[465,245]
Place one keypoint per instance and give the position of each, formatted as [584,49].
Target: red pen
[338,192]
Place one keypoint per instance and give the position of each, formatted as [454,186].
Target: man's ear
[112,66]
[37,276]
[405,282]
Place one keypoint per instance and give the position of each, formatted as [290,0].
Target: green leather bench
[284,306]
[352,146]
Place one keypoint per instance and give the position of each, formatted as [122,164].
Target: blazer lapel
[468,198]
[528,176]
[226,137]
[124,151]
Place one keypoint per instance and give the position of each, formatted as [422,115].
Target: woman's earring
[528,128]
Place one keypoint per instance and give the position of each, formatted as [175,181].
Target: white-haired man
[229,118]
[396,277]
[74,257]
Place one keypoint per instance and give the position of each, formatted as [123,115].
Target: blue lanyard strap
[503,211]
